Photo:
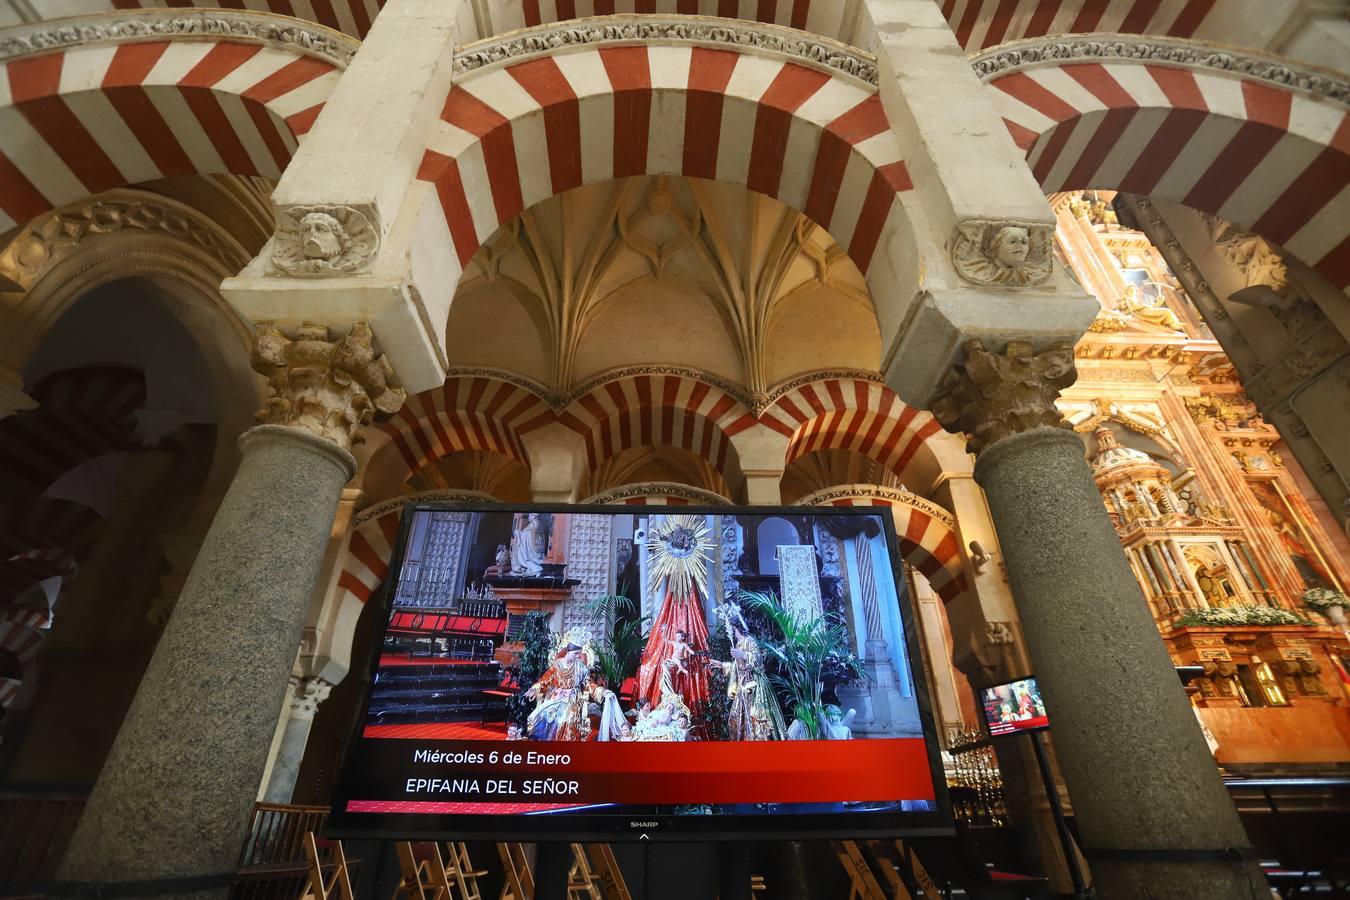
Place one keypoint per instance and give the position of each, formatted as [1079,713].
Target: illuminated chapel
[1061,283]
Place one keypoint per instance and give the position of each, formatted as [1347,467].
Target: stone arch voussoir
[1255,140]
[108,101]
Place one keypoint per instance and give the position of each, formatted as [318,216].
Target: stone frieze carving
[461,496]
[326,386]
[1017,55]
[828,496]
[812,49]
[1003,253]
[992,396]
[148,24]
[323,241]
[659,489]
[519,381]
[51,236]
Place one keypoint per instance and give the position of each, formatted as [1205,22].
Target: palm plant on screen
[620,653]
[800,653]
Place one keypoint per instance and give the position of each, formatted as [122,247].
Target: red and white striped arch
[512,136]
[1271,160]
[465,413]
[851,414]
[371,545]
[926,542]
[983,23]
[673,410]
[29,569]
[88,119]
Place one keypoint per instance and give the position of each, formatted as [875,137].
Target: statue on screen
[679,550]
[754,714]
[527,550]
[560,712]
[565,693]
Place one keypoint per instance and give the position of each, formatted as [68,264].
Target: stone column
[303,696]
[1154,816]
[173,799]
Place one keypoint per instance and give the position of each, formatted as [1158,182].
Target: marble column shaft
[303,696]
[1139,773]
[174,797]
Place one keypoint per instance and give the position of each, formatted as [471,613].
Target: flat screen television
[642,672]
[1013,707]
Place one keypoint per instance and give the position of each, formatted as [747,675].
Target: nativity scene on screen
[644,626]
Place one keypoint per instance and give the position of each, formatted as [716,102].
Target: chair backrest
[319,886]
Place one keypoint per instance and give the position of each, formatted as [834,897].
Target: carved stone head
[1004,253]
[1010,246]
[322,236]
[316,241]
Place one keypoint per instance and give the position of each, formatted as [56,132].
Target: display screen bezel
[581,826]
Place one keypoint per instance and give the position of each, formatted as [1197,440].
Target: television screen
[643,672]
[1013,707]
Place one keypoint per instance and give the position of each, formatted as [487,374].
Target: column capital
[330,387]
[996,395]
[305,695]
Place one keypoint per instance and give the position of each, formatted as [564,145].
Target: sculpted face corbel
[1003,252]
[324,241]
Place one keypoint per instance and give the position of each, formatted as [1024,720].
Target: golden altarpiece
[1221,528]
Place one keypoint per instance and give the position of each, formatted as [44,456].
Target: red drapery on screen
[682,613]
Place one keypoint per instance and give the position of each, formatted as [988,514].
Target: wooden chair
[462,872]
[582,881]
[424,875]
[318,886]
[607,872]
[519,879]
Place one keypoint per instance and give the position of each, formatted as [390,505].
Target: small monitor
[1013,707]
[648,673]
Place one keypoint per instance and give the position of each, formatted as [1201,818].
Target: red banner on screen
[587,773]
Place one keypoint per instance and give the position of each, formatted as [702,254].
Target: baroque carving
[139,25]
[992,396]
[330,388]
[53,235]
[1007,253]
[658,489]
[811,48]
[318,241]
[1260,263]
[1018,55]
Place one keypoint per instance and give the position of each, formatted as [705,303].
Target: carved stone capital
[327,387]
[305,696]
[324,241]
[1003,252]
[992,396]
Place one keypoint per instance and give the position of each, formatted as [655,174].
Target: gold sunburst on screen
[680,548]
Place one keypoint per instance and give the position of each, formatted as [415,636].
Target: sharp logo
[641,824]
